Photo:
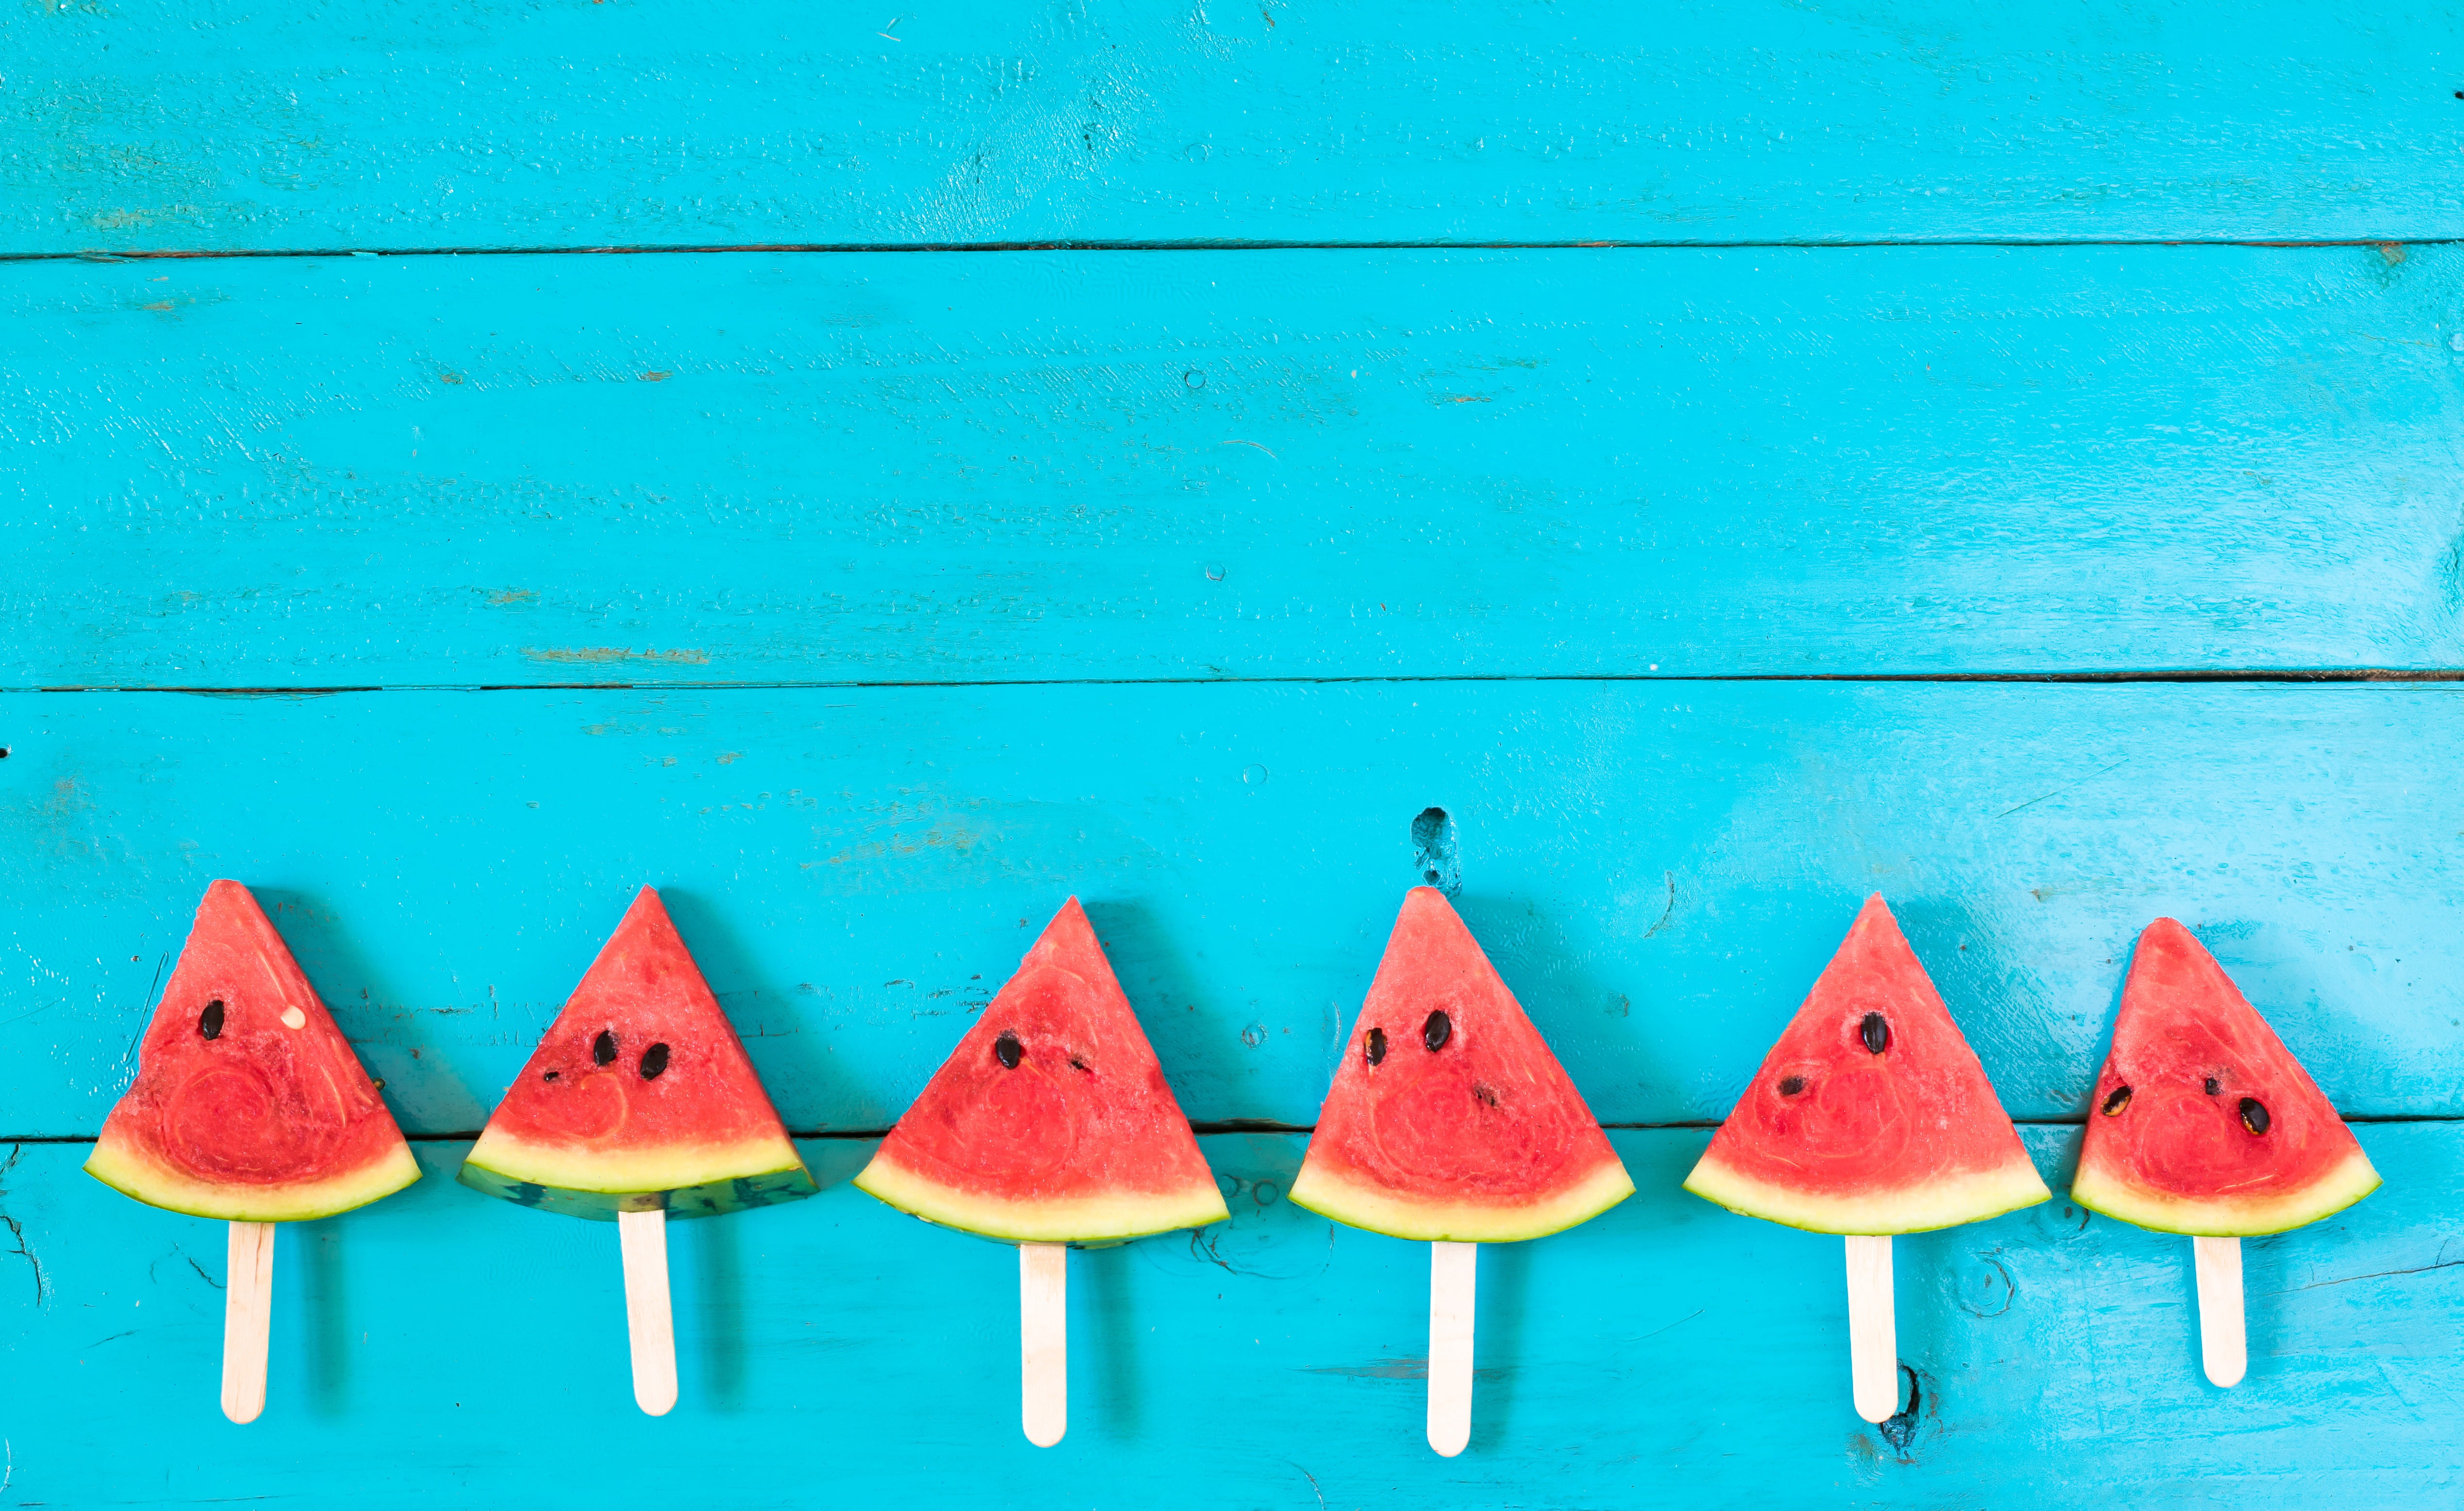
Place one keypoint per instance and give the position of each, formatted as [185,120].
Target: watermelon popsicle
[639,1105]
[1450,1121]
[248,1106]
[1870,1116]
[2204,1123]
[1049,1126]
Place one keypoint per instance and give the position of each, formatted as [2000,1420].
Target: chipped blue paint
[213,123]
[1502,473]
[1206,465]
[1659,871]
[442,1348]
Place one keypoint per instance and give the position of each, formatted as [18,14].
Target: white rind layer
[124,1169]
[1384,1211]
[1971,1196]
[2350,1180]
[1081,1219]
[563,1166]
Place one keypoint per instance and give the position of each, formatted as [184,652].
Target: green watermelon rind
[1937,1203]
[126,1170]
[1083,1222]
[708,1199]
[1372,1210]
[2350,1180]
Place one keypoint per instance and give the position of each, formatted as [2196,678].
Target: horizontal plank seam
[1268,1125]
[2349,673]
[1200,244]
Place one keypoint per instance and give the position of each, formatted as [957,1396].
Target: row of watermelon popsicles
[1051,1125]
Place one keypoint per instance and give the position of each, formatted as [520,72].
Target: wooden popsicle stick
[1044,1341]
[248,1318]
[1873,1328]
[2222,1346]
[1453,1289]
[648,1323]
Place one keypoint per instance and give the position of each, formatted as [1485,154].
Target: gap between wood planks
[1204,245]
[2331,675]
[1229,1126]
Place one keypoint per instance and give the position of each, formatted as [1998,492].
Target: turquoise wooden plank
[1659,871]
[902,467]
[1667,1354]
[160,123]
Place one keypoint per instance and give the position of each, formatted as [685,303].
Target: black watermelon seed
[2120,1100]
[1009,1051]
[1875,1033]
[603,1049]
[1436,1031]
[210,1022]
[1377,1045]
[1792,1086]
[2254,1117]
[1075,1063]
[552,1075]
[1487,1097]
[654,1060]
[2213,1087]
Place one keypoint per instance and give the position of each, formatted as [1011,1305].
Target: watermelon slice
[2203,1122]
[1871,1114]
[1449,1119]
[249,1104]
[1052,1121]
[639,1096]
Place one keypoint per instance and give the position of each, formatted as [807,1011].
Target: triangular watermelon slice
[1052,1121]
[1449,1119]
[2203,1120]
[639,1096]
[249,1104]
[1871,1114]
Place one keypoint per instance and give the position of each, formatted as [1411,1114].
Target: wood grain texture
[160,123]
[950,467]
[1667,1354]
[1659,873]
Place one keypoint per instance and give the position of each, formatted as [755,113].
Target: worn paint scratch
[17,1232]
[617,652]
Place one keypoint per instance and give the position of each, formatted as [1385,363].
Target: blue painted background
[1733,457]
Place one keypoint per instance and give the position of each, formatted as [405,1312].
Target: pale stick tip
[650,1326]
[1453,1296]
[2224,1348]
[247,1318]
[1044,1341]
[1873,1328]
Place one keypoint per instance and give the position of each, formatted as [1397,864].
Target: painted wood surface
[1020,467]
[384,124]
[1545,477]
[1659,872]
[438,1348]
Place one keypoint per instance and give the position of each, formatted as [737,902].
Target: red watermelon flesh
[1871,1114]
[249,1104]
[1449,1118]
[1052,1121]
[639,1096]
[2203,1122]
